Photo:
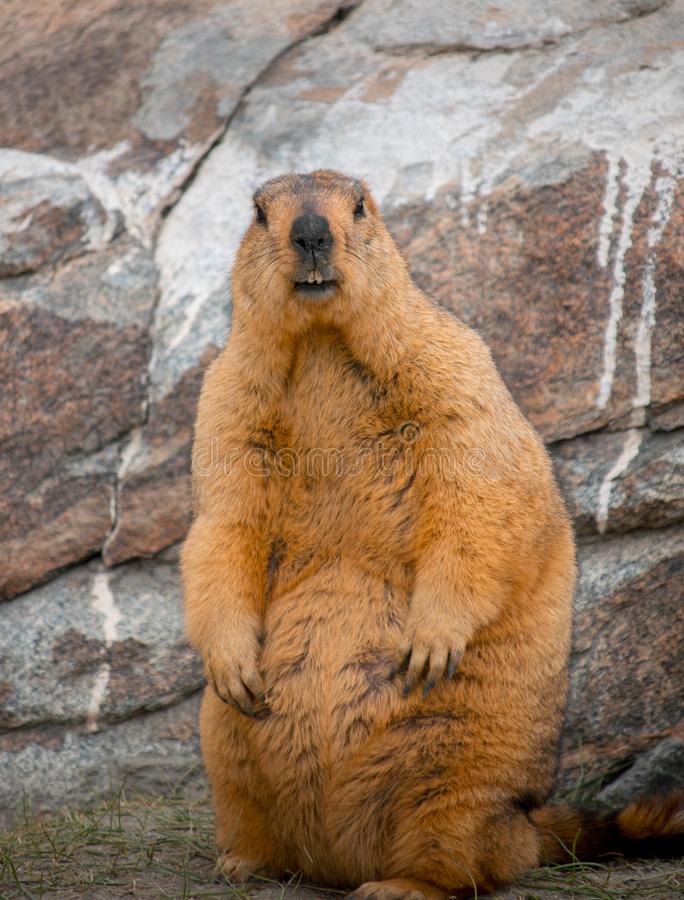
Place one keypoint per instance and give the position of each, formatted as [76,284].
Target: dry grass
[135,846]
[162,847]
[617,881]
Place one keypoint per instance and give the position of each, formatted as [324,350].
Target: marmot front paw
[232,672]
[430,650]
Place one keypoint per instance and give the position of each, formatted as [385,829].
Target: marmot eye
[360,209]
[260,215]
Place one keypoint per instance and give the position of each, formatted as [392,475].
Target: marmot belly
[331,639]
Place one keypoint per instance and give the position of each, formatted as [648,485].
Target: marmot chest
[348,475]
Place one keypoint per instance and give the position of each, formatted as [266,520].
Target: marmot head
[315,241]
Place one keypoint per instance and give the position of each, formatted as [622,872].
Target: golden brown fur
[373,512]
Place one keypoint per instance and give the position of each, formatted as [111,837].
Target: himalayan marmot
[379,576]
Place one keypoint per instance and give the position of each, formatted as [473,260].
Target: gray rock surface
[462,27]
[47,213]
[656,772]
[618,481]
[74,373]
[96,645]
[53,768]
[627,665]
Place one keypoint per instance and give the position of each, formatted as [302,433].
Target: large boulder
[48,214]
[96,646]
[529,162]
[76,344]
[46,769]
[627,663]
[622,480]
[97,684]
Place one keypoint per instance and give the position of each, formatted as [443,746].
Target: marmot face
[314,240]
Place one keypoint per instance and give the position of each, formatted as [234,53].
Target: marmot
[379,577]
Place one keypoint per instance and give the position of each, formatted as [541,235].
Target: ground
[141,846]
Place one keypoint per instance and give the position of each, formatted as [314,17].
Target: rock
[116,286]
[94,646]
[46,768]
[538,243]
[660,771]
[627,663]
[619,481]
[536,273]
[154,504]
[135,95]
[460,27]
[47,213]
[61,519]
[74,380]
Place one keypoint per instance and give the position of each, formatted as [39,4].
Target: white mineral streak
[132,452]
[103,602]
[630,449]
[642,131]
[113,506]
[129,452]
[609,209]
[637,175]
[190,313]
[665,188]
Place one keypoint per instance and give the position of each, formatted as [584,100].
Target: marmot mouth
[316,291]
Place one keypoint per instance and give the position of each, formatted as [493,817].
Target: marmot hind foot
[398,889]
[239,870]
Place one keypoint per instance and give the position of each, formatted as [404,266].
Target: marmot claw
[422,663]
[243,692]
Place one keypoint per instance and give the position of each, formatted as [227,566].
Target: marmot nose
[311,234]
